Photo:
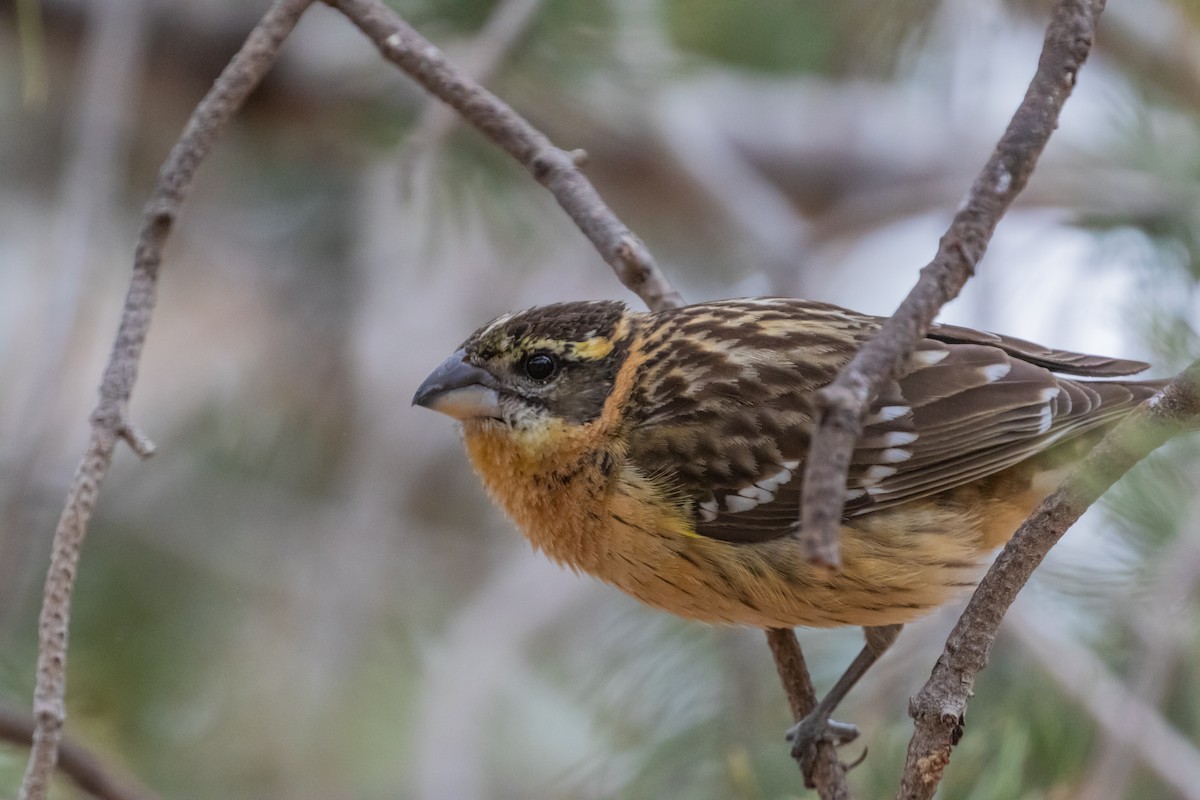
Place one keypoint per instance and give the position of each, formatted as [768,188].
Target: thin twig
[939,707]
[552,167]
[110,421]
[829,774]
[82,766]
[108,79]
[793,671]
[841,405]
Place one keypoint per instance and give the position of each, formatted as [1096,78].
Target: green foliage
[445,16]
[765,35]
[567,44]
[779,37]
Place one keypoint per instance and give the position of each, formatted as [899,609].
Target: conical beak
[459,389]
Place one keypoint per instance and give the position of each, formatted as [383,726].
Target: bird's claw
[812,731]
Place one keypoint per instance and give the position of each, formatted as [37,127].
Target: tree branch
[840,406]
[109,420]
[75,761]
[829,774]
[552,167]
[505,25]
[939,707]
[109,79]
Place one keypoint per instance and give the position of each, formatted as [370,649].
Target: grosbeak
[663,452]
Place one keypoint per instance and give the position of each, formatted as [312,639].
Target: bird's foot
[812,731]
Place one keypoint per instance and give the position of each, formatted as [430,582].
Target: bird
[663,453]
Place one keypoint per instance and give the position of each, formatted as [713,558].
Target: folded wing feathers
[974,412]
[965,405]
[1063,361]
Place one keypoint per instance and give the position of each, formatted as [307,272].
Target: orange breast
[613,524]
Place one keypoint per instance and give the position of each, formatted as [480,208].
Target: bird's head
[548,366]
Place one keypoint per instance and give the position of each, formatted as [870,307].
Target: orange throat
[553,482]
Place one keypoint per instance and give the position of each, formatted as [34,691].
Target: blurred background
[305,593]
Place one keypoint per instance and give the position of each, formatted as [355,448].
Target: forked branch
[84,768]
[938,709]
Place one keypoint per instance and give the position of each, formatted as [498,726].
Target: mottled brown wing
[728,418]
[959,412]
[724,398]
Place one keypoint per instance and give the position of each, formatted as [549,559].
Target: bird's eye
[540,366]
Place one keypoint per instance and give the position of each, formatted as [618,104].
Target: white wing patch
[1049,393]
[779,478]
[754,495]
[1045,419]
[736,503]
[898,438]
[894,455]
[708,510]
[927,358]
[1046,416]
[878,472]
[994,372]
[887,414]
